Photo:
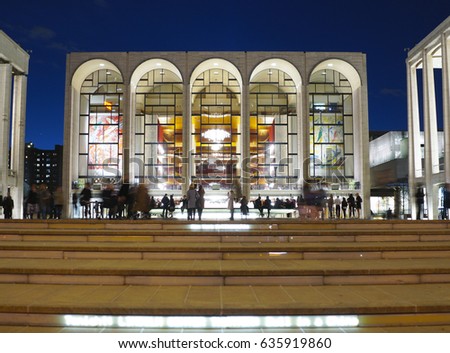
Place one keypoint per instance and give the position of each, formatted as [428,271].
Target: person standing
[75,203]
[200,201]
[330,204]
[183,202]
[446,203]
[122,199]
[420,198]
[268,205]
[244,206]
[85,200]
[258,204]
[344,205]
[172,206]
[8,206]
[192,196]
[337,206]
[165,206]
[358,202]
[32,202]
[141,206]
[59,201]
[230,205]
[351,206]
[44,201]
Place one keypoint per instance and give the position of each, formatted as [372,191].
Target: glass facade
[158,130]
[250,121]
[100,125]
[273,130]
[331,126]
[216,135]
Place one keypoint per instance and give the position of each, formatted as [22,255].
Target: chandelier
[216,135]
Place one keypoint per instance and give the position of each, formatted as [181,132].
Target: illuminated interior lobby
[266,122]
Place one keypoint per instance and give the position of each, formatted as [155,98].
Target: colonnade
[13,86]
[429,167]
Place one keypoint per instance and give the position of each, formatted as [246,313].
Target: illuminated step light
[210,322]
[219,226]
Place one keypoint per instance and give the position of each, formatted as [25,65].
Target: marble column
[245,141]
[303,135]
[127,172]
[415,156]
[187,138]
[445,45]
[5,114]
[430,131]
[18,142]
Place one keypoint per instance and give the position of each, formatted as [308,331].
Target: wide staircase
[268,274]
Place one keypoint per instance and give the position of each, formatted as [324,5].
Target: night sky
[383,29]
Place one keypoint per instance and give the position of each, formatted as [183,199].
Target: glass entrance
[216,129]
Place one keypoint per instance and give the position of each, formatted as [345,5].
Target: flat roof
[13,54]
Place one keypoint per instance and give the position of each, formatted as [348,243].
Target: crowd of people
[127,202]
[317,204]
[134,201]
[43,203]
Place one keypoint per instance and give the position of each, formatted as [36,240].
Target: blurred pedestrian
[141,206]
[85,200]
[59,202]
[244,206]
[230,204]
[420,198]
[192,196]
[200,205]
[8,205]
[33,202]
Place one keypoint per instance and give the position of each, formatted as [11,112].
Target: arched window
[273,130]
[216,128]
[100,125]
[158,129]
[331,126]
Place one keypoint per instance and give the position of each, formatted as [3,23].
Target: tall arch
[339,128]
[96,122]
[345,68]
[274,106]
[157,124]
[215,125]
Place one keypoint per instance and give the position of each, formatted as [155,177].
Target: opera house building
[264,122]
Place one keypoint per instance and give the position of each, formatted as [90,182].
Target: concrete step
[223,251]
[286,230]
[225,272]
[392,274]
[89,308]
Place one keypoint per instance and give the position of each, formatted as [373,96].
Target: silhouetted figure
[165,205]
[8,206]
[244,206]
[85,200]
[258,204]
[192,196]
[420,197]
[32,202]
[230,204]
[200,205]
[267,205]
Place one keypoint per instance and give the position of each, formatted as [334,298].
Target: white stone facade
[426,168]
[244,68]
[13,85]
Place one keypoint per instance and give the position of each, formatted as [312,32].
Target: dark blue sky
[381,28]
